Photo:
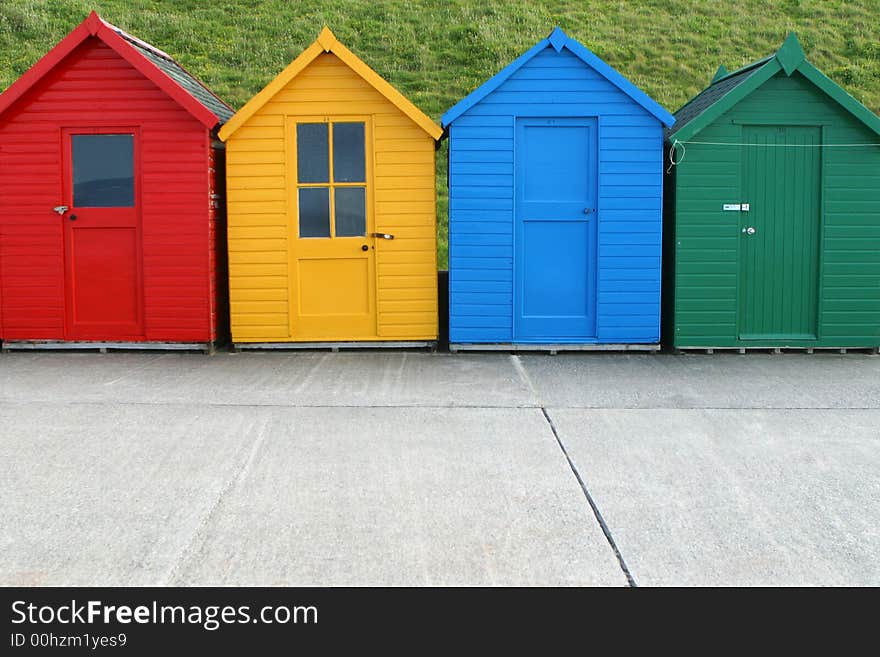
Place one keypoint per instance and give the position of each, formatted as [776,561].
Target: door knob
[364,247]
[749,231]
[73,217]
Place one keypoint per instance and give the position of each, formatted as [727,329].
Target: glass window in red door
[103,171]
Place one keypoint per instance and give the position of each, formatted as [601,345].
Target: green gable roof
[719,88]
[727,89]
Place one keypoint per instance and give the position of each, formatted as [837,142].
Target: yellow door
[332,253]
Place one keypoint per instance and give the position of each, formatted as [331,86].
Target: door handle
[60,209]
[588,210]
[383,236]
[749,231]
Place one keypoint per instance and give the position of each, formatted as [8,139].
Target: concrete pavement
[730,497]
[414,468]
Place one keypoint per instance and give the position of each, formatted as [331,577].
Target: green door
[779,238]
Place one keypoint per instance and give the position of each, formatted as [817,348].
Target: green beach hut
[773,222]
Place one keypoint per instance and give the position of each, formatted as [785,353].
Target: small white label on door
[732,207]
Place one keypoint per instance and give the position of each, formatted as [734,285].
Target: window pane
[312,153]
[351,212]
[103,171]
[349,162]
[314,212]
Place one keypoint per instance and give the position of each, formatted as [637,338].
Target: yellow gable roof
[327,42]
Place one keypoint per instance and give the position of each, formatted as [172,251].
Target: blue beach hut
[555,206]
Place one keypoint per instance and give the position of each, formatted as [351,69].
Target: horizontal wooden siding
[404,205]
[707,239]
[482,191]
[95,86]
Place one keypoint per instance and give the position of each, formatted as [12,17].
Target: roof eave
[327,42]
[771,66]
[44,65]
[840,96]
[559,40]
[614,77]
[728,100]
[94,26]
[149,70]
[491,84]
[385,88]
[270,90]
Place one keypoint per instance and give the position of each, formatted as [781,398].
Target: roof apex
[557,39]
[327,39]
[93,22]
[790,55]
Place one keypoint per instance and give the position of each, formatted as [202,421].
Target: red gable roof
[183,88]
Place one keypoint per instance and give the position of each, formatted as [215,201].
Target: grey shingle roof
[712,94]
[181,76]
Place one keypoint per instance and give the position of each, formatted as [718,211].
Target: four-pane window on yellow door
[331,179]
[332,213]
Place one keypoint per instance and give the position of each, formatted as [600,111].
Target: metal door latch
[382,236]
[60,209]
[749,231]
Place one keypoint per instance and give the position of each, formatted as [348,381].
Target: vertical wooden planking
[779,268]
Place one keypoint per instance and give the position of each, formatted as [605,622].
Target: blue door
[555,238]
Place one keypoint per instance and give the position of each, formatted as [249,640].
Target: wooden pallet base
[103,347]
[335,346]
[777,350]
[552,348]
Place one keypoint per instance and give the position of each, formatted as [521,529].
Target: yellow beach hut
[331,208]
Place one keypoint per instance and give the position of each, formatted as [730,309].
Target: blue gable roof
[559,40]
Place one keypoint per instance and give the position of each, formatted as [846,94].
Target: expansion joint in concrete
[598,514]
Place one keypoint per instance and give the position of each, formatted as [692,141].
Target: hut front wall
[259,203]
[93,87]
[707,240]
[481,204]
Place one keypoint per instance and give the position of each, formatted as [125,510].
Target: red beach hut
[110,198]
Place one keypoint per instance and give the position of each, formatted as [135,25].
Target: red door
[102,235]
